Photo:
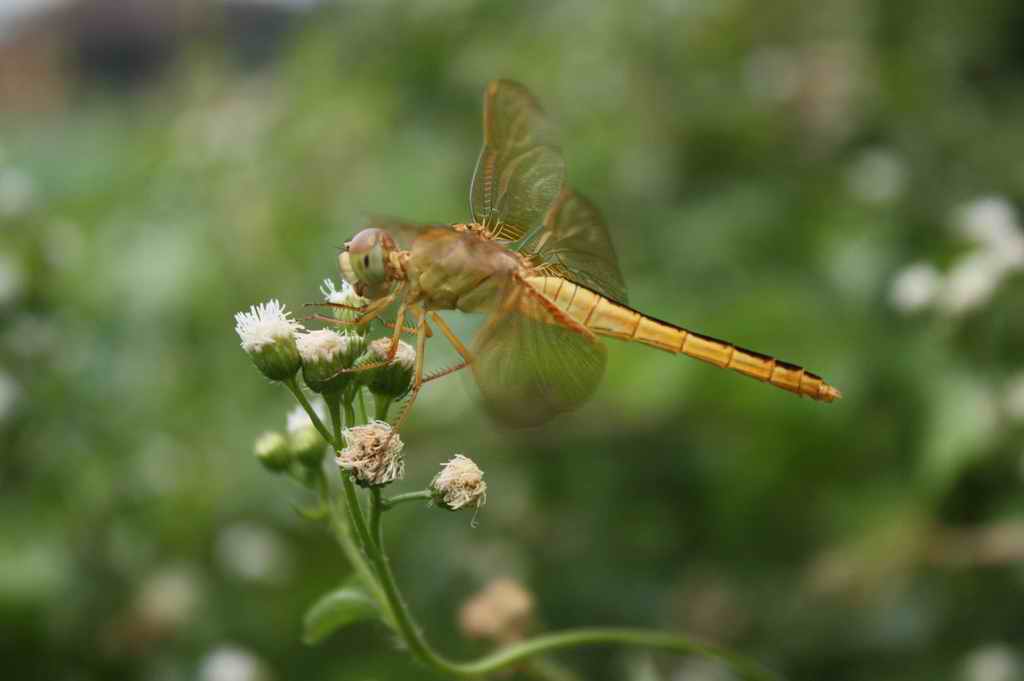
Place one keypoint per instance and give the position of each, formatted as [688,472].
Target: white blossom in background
[253,553]
[992,662]
[915,287]
[991,222]
[970,283]
[877,176]
[170,598]
[298,419]
[232,663]
[992,226]
[502,611]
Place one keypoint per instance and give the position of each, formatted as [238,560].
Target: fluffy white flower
[346,296]
[373,454]
[321,345]
[265,324]
[460,483]
[405,355]
[915,287]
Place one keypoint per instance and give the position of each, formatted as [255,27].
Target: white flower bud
[325,354]
[459,484]
[268,333]
[346,296]
[272,451]
[373,454]
[394,379]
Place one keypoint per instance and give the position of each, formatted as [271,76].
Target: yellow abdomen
[606,317]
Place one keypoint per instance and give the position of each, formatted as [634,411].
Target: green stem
[381,405]
[334,409]
[520,652]
[355,509]
[376,512]
[390,502]
[407,627]
[573,638]
[343,533]
[379,577]
[293,386]
[362,404]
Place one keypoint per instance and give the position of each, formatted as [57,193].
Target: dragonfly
[536,258]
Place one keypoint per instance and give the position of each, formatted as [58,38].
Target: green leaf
[337,609]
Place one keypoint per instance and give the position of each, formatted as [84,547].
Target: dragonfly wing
[575,240]
[532,362]
[520,169]
[404,231]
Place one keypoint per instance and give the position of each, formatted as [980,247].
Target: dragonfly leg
[369,313]
[417,380]
[441,373]
[467,357]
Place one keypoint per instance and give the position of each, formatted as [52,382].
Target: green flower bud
[460,484]
[373,454]
[325,354]
[268,337]
[272,451]
[393,380]
[346,296]
[307,446]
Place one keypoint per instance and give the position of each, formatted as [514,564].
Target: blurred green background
[837,183]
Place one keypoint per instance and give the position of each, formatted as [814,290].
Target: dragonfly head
[366,262]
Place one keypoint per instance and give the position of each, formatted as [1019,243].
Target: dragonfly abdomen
[606,317]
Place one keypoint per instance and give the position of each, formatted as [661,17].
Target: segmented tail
[606,317]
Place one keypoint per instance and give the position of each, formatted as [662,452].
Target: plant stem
[407,627]
[293,386]
[343,533]
[519,652]
[390,502]
[379,577]
[362,404]
[376,511]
